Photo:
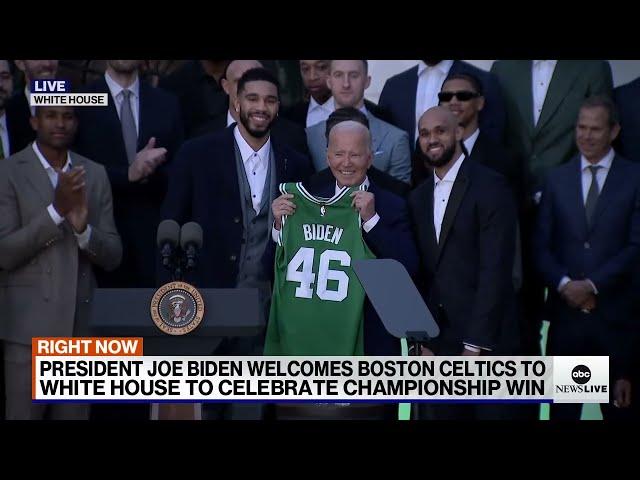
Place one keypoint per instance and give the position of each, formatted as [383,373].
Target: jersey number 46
[300,270]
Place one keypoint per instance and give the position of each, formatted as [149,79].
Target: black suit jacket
[390,238]
[398,99]
[493,155]
[203,188]
[466,278]
[283,131]
[136,205]
[298,112]
[627,99]
[18,125]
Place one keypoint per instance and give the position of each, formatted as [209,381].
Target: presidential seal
[177,308]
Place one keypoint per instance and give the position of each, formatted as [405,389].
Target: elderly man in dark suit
[56,223]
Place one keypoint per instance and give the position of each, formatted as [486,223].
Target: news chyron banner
[50,92]
[115,369]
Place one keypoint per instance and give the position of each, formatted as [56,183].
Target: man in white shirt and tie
[587,250]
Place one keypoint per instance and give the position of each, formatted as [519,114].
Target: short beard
[244,119]
[446,157]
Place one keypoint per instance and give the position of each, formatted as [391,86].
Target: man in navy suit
[407,95]
[587,246]
[18,110]
[135,138]
[464,217]
[226,181]
[627,99]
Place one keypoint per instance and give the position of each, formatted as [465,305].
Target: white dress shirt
[134,97]
[4,135]
[366,226]
[430,80]
[83,238]
[441,192]
[319,113]
[601,177]
[542,71]
[256,166]
[470,142]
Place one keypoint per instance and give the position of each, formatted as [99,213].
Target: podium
[126,312]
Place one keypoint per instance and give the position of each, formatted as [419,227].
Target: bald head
[229,83]
[349,153]
[439,136]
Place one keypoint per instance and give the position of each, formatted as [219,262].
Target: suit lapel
[574,192]
[523,79]
[144,115]
[37,177]
[282,163]
[113,120]
[614,177]
[563,77]
[377,134]
[455,199]
[424,223]
[411,88]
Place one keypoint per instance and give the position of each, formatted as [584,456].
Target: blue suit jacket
[136,205]
[390,238]
[398,99]
[606,253]
[628,101]
[203,187]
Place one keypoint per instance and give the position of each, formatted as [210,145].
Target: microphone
[191,242]
[167,239]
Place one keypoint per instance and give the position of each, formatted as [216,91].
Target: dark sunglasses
[462,95]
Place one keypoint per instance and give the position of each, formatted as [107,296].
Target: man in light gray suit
[56,220]
[348,79]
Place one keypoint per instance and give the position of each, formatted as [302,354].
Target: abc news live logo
[47,93]
[581,379]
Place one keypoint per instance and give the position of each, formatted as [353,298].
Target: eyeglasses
[462,95]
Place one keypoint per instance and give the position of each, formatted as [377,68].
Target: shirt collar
[43,161]
[444,66]
[246,150]
[115,88]
[365,182]
[329,105]
[471,141]
[540,62]
[605,162]
[451,174]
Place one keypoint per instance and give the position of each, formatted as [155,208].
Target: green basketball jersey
[317,303]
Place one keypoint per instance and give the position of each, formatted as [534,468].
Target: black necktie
[592,195]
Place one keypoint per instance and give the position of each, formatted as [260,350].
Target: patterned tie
[129,133]
[592,195]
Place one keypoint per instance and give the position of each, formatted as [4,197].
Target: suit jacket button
[49,270]
[86,300]
[587,245]
[233,258]
[236,219]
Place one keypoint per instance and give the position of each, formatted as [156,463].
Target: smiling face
[349,153]
[257,105]
[594,133]
[439,136]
